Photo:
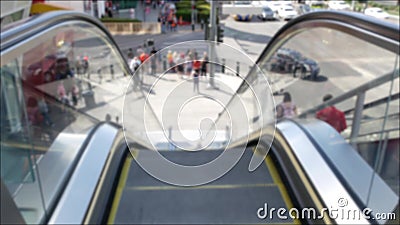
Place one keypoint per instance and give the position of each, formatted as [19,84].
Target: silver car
[267,14]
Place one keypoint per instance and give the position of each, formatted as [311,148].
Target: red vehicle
[41,72]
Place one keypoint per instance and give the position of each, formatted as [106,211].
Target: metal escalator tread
[233,198]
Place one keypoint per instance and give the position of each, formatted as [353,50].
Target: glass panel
[17,155]
[335,59]
[337,63]
[71,78]
[386,161]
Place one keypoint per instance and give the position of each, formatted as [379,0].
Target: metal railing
[359,93]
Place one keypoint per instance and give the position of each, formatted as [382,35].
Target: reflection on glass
[336,64]
[67,80]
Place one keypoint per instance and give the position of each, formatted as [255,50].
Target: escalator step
[233,198]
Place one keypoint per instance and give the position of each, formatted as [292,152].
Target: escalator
[234,198]
[85,165]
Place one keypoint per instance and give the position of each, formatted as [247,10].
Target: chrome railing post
[355,125]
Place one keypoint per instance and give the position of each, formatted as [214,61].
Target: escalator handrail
[24,29]
[73,201]
[323,178]
[356,167]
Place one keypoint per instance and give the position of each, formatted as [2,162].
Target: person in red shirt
[143,57]
[196,65]
[196,73]
[332,116]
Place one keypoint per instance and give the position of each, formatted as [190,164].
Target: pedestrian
[32,109]
[134,64]
[197,66]
[75,94]
[286,109]
[44,110]
[143,57]
[170,59]
[196,81]
[109,12]
[130,54]
[85,64]
[332,115]
[174,22]
[62,95]
[170,19]
[153,50]
[153,61]
[139,50]
[189,63]
[62,68]
[180,61]
[175,57]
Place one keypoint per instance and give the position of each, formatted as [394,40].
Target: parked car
[338,5]
[242,18]
[62,67]
[274,6]
[320,3]
[287,12]
[267,14]
[303,9]
[290,61]
[376,12]
[242,2]
[41,72]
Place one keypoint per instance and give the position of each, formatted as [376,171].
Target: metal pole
[193,5]
[213,26]
[223,66]
[355,125]
[238,68]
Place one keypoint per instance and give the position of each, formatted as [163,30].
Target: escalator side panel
[78,194]
[352,169]
[318,170]
[102,199]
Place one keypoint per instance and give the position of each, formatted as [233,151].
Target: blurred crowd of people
[167,18]
[188,63]
[183,63]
